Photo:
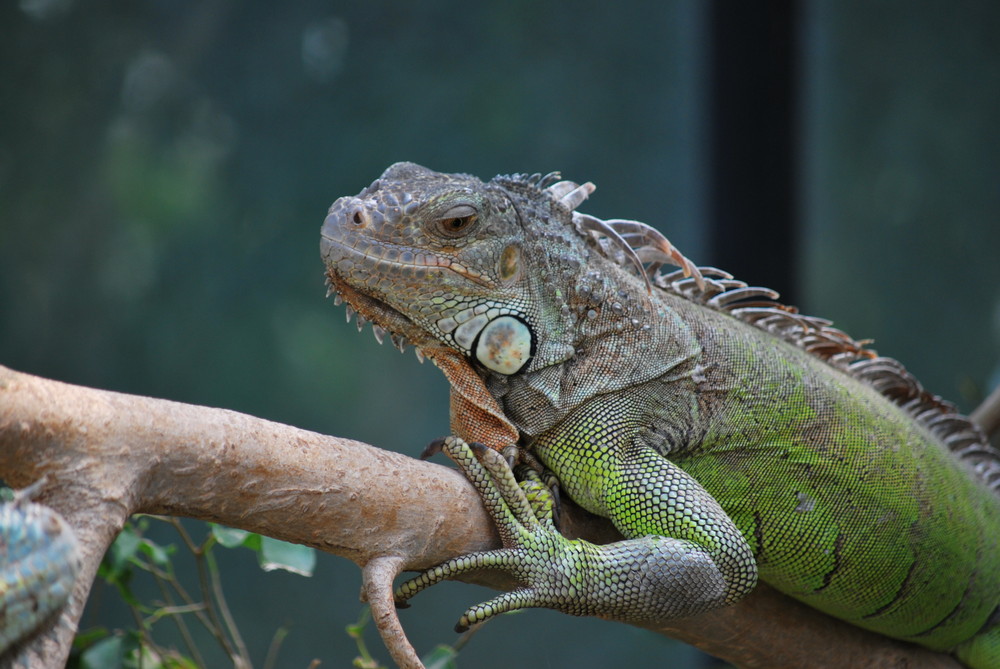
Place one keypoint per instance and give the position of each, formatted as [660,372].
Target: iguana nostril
[359,218]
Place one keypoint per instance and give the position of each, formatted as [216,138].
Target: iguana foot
[530,468]
[539,483]
[641,579]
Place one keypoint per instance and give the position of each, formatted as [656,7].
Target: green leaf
[160,555]
[124,548]
[253,542]
[121,582]
[275,554]
[116,566]
[106,654]
[229,537]
[442,657]
[180,663]
[89,637]
[141,656]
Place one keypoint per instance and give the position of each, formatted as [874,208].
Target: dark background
[165,167]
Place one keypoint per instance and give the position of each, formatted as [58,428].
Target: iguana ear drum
[505,345]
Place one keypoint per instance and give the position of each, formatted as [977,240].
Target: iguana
[39,563]
[725,435]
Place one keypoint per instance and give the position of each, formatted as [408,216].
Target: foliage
[134,553]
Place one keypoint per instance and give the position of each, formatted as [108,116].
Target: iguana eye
[457,221]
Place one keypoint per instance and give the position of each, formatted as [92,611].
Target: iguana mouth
[342,250]
[353,257]
[384,318]
[403,257]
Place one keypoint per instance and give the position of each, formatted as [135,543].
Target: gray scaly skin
[724,435]
[39,563]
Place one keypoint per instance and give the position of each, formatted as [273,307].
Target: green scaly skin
[39,563]
[723,435]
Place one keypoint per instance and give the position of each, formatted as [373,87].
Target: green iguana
[725,435]
[39,563]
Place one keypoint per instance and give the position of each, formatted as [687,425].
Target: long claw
[432,448]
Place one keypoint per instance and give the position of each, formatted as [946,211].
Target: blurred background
[165,168]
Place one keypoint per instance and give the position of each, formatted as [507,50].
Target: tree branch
[108,455]
[987,414]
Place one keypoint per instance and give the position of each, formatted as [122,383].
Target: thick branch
[108,455]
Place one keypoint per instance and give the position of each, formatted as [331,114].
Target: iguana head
[508,276]
[446,258]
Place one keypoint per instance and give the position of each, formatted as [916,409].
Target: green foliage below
[134,554]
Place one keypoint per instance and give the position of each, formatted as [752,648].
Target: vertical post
[753,141]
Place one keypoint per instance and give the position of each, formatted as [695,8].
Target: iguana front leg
[645,578]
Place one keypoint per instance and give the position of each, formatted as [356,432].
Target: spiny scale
[399,341]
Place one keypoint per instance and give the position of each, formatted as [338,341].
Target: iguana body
[723,434]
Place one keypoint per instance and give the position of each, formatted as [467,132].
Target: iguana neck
[613,335]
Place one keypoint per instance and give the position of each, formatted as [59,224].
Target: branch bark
[108,455]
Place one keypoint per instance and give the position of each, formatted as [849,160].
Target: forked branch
[107,455]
